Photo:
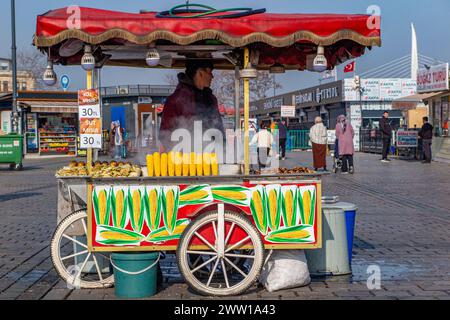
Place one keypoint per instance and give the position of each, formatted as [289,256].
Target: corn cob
[164,165]
[119,205]
[192,165]
[103,207]
[157,164]
[116,236]
[198,195]
[163,234]
[214,164]
[171,164]
[178,164]
[296,234]
[170,206]
[199,165]
[307,206]
[154,208]
[236,195]
[186,161]
[150,165]
[206,164]
[233,195]
[273,209]
[258,209]
[136,210]
[289,208]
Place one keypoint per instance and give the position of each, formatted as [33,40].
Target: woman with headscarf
[345,135]
[318,135]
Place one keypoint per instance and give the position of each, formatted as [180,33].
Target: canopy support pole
[89,85]
[237,114]
[246,115]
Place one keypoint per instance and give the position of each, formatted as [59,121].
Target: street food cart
[219,225]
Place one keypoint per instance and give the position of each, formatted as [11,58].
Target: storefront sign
[326,94]
[288,111]
[90,119]
[433,79]
[273,103]
[407,139]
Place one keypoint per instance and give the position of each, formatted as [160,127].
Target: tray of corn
[283,171]
[177,164]
[100,170]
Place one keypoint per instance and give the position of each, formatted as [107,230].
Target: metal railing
[298,140]
[138,90]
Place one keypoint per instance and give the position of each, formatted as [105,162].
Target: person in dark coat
[193,100]
[426,134]
[282,135]
[386,135]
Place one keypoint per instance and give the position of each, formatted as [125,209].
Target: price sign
[288,111]
[90,119]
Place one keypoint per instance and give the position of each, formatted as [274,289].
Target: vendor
[193,100]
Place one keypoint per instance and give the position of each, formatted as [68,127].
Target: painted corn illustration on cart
[221,226]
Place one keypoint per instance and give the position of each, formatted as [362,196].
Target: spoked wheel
[220,258]
[72,260]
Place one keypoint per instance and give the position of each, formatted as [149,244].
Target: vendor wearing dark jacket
[426,134]
[193,100]
[386,135]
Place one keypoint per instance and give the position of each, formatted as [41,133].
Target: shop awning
[123,38]
[419,97]
[50,107]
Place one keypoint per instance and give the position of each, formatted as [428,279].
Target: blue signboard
[65,82]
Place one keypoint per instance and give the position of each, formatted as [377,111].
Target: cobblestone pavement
[402,226]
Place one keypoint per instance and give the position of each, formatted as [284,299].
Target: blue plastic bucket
[135,274]
[350,222]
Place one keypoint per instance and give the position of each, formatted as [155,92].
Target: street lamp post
[15,115]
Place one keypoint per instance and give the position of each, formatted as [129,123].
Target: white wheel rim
[79,268]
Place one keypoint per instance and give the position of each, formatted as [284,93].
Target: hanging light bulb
[88,60]
[152,58]
[50,78]
[277,68]
[320,62]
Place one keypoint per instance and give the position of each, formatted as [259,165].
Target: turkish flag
[350,67]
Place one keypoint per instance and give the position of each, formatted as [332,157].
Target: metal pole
[14,125]
[89,85]
[237,102]
[246,115]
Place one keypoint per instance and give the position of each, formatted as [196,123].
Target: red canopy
[283,38]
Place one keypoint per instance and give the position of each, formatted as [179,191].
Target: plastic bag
[285,269]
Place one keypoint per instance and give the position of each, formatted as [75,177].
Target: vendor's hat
[193,65]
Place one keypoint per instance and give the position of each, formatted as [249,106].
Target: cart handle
[136,272]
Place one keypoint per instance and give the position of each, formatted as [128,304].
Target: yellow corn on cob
[171,164]
[111,235]
[150,165]
[178,164]
[157,164]
[119,206]
[199,165]
[232,195]
[186,161]
[192,165]
[102,199]
[289,203]
[153,199]
[170,203]
[206,164]
[272,206]
[194,196]
[300,234]
[136,205]
[165,233]
[257,201]
[214,164]
[164,164]
[307,206]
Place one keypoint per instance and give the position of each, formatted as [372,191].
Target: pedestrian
[263,140]
[426,134]
[282,135]
[117,137]
[318,136]
[345,135]
[386,135]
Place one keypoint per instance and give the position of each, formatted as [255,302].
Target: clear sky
[430,18]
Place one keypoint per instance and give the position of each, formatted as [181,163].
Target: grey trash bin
[334,258]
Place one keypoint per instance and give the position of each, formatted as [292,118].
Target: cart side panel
[153,218]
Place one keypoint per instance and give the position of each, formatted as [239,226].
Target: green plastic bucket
[135,274]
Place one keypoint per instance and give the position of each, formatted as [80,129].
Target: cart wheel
[240,236]
[72,260]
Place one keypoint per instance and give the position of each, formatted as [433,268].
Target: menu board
[90,119]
